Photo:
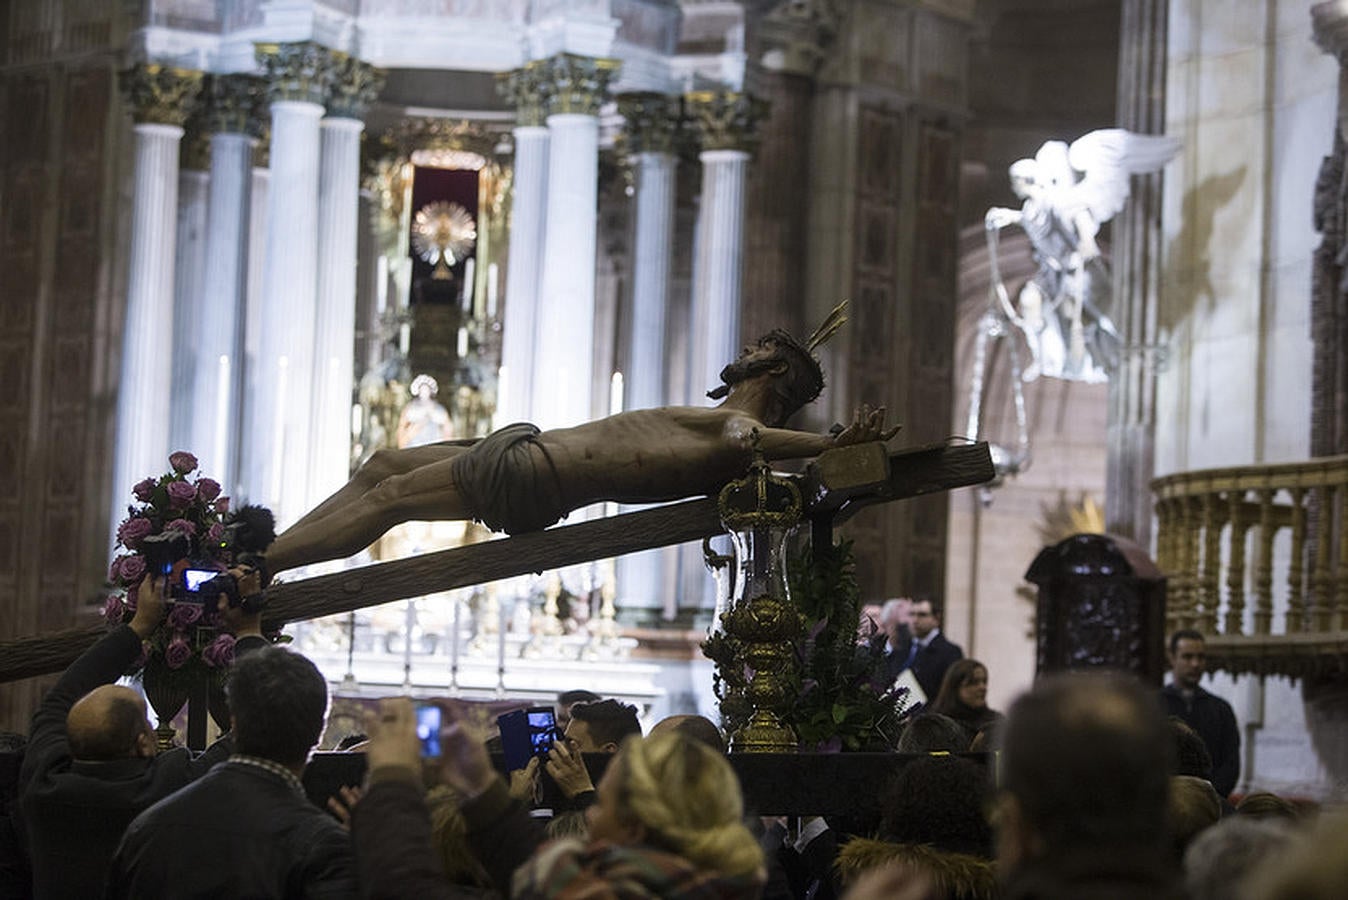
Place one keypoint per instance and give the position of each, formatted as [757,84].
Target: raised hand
[567,768]
[868,424]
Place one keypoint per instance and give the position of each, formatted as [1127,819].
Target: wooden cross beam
[838,484]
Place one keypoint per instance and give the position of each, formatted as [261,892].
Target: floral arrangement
[842,700]
[186,641]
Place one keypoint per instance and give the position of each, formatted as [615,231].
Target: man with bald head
[91,765]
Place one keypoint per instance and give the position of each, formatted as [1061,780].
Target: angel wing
[1107,157]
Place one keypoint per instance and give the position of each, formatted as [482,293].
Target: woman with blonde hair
[667,823]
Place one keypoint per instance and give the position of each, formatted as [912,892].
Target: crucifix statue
[520,480]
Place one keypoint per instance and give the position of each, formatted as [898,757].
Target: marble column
[217,387]
[652,120]
[1136,266]
[651,123]
[526,90]
[726,122]
[160,99]
[276,453]
[563,378]
[189,278]
[354,85]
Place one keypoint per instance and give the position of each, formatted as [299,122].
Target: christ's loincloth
[509,482]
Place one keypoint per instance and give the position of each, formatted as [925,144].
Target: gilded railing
[1257,559]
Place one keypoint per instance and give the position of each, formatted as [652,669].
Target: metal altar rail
[1257,558]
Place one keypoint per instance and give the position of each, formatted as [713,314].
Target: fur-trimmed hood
[957,875]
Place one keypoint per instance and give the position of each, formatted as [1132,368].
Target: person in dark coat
[246,829]
[1206,713]
[91,764]
[1082,814]
[964,698]
[921,648]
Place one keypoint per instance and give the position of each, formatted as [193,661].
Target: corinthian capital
[354,85]
[579,84]
[527,89]
[298,71]
[652,121]
[232,103]
[726,120]
[160,94]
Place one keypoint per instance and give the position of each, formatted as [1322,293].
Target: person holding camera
[246,829]
[91,764]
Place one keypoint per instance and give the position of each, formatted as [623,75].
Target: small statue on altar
[1068,193]
[423,420]
[519,479]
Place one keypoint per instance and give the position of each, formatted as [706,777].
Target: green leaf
[839,713]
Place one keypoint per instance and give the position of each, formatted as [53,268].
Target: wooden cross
[836,485]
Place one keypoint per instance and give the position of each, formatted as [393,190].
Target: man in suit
[921,647]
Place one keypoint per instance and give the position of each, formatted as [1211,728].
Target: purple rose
[184,615]
[178,651]
[208,489]
[144,490]
[182,462]
[182,525]
[113,608]
[219,653]
[133,530]
[215,533]
[132,569]
[222,505]
[115,570]
[180,494]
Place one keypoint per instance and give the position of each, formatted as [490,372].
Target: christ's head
[796,376]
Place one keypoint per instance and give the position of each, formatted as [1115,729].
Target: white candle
[468,284]
[463,343]
[278,424]
[405,337]
[221,414]
[492,282]
[380,284]
[615,394]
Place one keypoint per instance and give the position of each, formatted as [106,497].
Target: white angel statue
[1068,193]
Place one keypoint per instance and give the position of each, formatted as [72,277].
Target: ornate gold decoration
[428,133]
[579,84]
[652,121]
[761,626]
[296,71]
[442,233]
[233,104]
[353,86]
[726,120]
[160,95]
[527,90]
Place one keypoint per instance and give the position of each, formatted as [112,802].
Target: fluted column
[217,388]
[526,89]
[1136,266]
[354,85]
[651,123]
[652,120]
[160,99]
[189,278]
[276,452]
[726,122]
[563,379]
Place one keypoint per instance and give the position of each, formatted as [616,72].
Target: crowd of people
[1093,792]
